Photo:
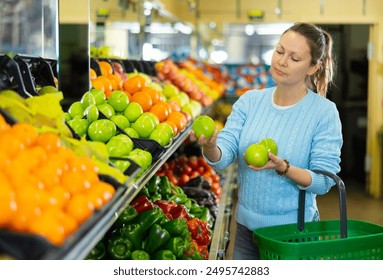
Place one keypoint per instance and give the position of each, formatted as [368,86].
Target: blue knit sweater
[308,134]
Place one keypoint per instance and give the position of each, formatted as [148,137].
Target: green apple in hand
[204,125]
[256,155]
[101,130]
[270,145]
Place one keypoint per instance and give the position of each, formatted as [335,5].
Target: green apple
[80,126]
[47,89]
[122,165]
[119,145]
[141,157]
[161,136]
[167,128]
[270,145]
[93,51]
[131,132]
[193,108]
[256,155]
[67,116]
[144,125]
[87,99]
[169,90]
[91,113]
[99,96]
[76,109]
[184,98]
[118,100]
[101,130]
[106,109]
[204,125]
[104,51]
[133,111]
[121,121]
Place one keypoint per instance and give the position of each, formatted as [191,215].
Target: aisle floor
[360,206]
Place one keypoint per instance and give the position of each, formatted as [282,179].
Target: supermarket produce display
[124,134]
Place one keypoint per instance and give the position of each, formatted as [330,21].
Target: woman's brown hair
[321,48]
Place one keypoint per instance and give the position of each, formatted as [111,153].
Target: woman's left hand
[274,162]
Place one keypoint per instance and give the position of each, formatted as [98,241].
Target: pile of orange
[46,189]
[107,81]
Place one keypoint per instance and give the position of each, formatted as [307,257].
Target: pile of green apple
[109,121]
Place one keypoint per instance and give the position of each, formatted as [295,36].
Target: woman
[303,123]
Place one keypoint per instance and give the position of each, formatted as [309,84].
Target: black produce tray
[26,246]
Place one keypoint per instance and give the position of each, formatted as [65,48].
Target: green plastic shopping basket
[323,240]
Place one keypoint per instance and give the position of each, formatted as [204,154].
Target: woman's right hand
[207,143]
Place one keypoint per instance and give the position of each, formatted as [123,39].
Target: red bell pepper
[142,204]
[173,210]
[200,231]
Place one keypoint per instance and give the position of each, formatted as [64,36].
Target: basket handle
[342,203]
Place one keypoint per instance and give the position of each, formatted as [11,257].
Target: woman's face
[291,60]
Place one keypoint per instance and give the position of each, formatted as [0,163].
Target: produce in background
[157,225]
[46,189]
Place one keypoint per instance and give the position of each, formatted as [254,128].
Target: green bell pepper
[119,248]
[179,198]
[164,255]
[157,237]
[144,191]
[156,196]
[177,227]
[134,233]
[127,215]
[148,218]
[98,252]
[153,185]
[177,245]
[165,187]
[140,255]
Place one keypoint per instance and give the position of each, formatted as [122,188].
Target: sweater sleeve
[326,150]
[228,137]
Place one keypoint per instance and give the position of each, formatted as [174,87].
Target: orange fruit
[92,74]
[24,131]
[8,204]
[179,120]
[3,124]
[79,207]
[49,226]
[105,190]
[48,141]
[160,111]
[116,81]
[173,125]
[106,68]
[69,223]
[97,84]
[154,94]
[167,105]
[107,84]
[58,196]
[143,99]
[134,84]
